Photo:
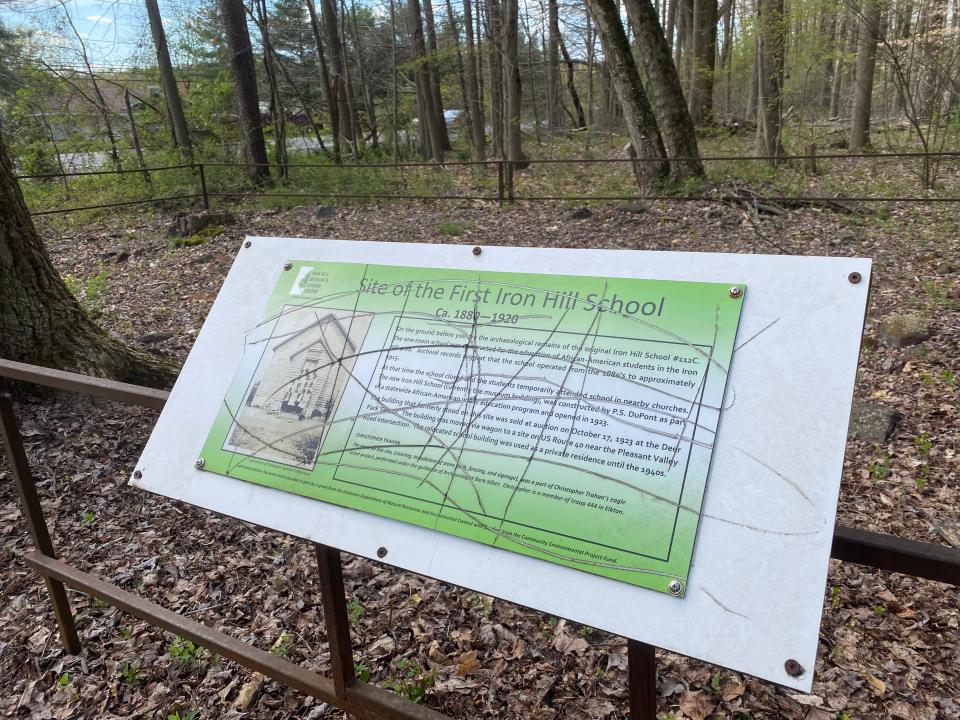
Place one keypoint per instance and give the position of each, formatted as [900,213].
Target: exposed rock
[324,211]
[154,338]
[842,238]
[633,209]
[901,331]
[117,253]
[59,248]
[192,223]
[872,423]
[581,213]
[714,211]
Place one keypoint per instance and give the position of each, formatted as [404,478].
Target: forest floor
[889,644]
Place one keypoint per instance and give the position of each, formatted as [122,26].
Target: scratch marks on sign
[721,605]
[468,418]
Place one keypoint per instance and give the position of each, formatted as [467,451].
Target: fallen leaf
[697,705]
[731,691]
[878,686]
[467,662]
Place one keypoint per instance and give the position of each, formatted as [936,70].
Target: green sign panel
[567,418]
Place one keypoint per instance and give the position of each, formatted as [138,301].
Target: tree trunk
[495,59]
[866,64]
[394,95]
[135,138]
[672,115]
[837,79]
[434,71]
[703,61]
[770,43]
[511,61]
[40,320]
[277,116]
[328,11]
[245,87]
[467,119]
[645,137]
[364,82]
[571,86]
[428,114]
[356,134]
[591,55]
[328,92]
[554,116]
[171,92]
[474,103]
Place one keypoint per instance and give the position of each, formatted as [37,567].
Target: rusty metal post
[32,512]
[642,680]
[510,197]
[500,182]
[335,616]
[203,186]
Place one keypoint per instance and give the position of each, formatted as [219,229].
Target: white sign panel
[648,443]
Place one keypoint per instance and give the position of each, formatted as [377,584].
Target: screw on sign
[793,668]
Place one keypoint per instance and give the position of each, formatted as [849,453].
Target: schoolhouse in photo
[303,378]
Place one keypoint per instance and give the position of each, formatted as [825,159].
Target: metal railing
[506,180]
[343,690]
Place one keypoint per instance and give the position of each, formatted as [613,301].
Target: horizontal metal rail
[505,192]
[82,173]
[84,384]
[360,698]
[351,196]
[116,204]
[717,198]
[930,561]
[926,560]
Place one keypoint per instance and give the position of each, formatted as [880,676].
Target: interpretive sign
[644,442]
[567,418]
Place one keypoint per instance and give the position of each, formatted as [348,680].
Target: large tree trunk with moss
[41,322]
[647,144]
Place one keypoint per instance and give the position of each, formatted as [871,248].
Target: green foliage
[63,680]
[130,671]
[879,609]
[361,671]
[411,682]
[185,653]
[88,519]
[199,238]
[835,598]
[715,682]
[354,611]
[283,646]
[881,467]
[187,715]
[924,443]
[96,286]
[452,228]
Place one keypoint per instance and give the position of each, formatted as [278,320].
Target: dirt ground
[889,644]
